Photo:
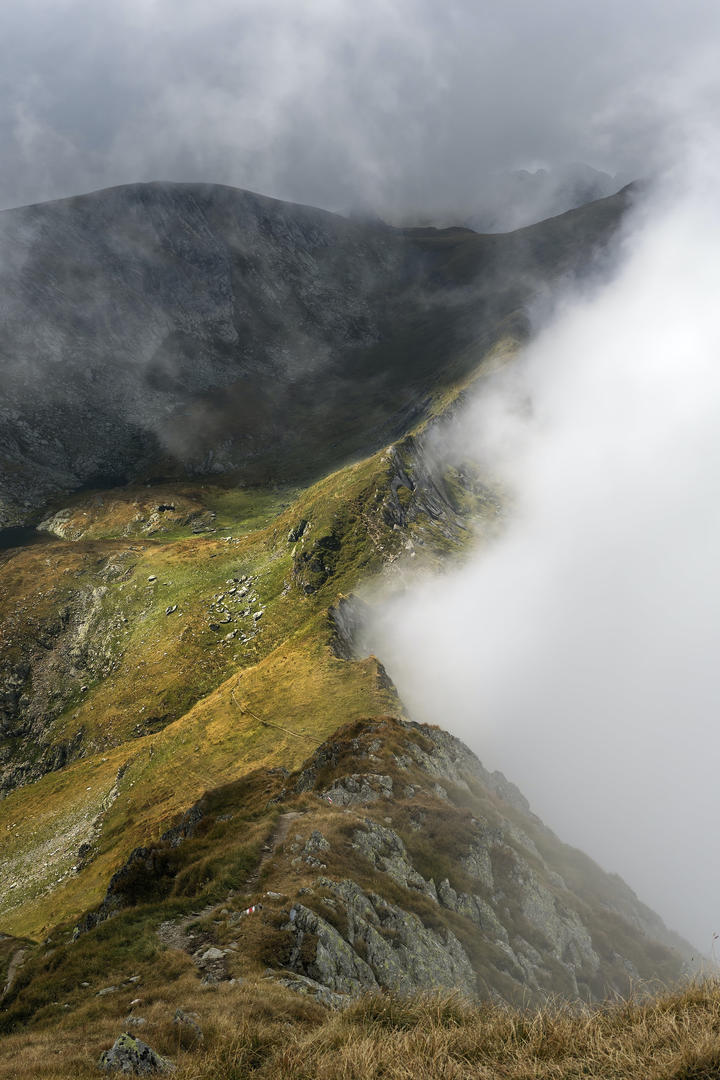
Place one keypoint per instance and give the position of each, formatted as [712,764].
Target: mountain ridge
[189,723]
[391,859]
[161,329]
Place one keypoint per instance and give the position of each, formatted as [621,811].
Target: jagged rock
[302,985]
[297,531]
[474,908]
[500,922]
[569,940]
[363,788]
[130,1056]
[398,952]
[513,832]
[316,843]
[386,851]
[188,1020]
[348,618]
[478,864]
[321,953]
[313,566]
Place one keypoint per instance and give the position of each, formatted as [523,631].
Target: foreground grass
[262,1031]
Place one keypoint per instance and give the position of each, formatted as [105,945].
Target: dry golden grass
[260,1030]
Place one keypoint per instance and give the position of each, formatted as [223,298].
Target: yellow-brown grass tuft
[259,1030]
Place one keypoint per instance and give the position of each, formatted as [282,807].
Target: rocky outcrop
[359,789]
[384,849]
[130,1055]
[51,659]
[505,909]
[140,876]
[399,863]
[316,563]
[383,946]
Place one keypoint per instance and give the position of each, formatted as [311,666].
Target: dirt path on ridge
[175,934]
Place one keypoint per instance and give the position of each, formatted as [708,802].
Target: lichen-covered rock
[321,953]
[383,946]
[386,851]
[315,846]
[474,908]
[445,757]
[478,864]
[404,954]
[189,1022]
[310,988]
[569,940]
[359,788]
[132,1057]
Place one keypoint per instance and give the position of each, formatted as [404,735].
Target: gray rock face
[310,988]
[383,947]
[313,851]
[132,1057]
[501,907]
[386,851]
[478,864]
[64,652]
[189,1022]
[360,788]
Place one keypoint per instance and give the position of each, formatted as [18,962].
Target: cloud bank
[579,653]
[399,106]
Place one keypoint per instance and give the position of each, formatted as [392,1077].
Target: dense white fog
[580,652]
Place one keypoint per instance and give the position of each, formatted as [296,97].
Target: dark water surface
[21,536]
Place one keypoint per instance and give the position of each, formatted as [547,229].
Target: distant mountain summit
[519,197]
[163,329]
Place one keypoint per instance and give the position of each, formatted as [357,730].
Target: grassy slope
[275,1035]
[180,708]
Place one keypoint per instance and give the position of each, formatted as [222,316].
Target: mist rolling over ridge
[400,109]
[359,533]
[579,649]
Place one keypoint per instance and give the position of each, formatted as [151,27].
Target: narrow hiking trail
[277,837]
[197,942]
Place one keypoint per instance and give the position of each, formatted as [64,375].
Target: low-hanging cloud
[579,651]
[400,106]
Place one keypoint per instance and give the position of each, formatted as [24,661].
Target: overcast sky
[390,104]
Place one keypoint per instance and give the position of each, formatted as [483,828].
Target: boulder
[132,1057]
[189,1022]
